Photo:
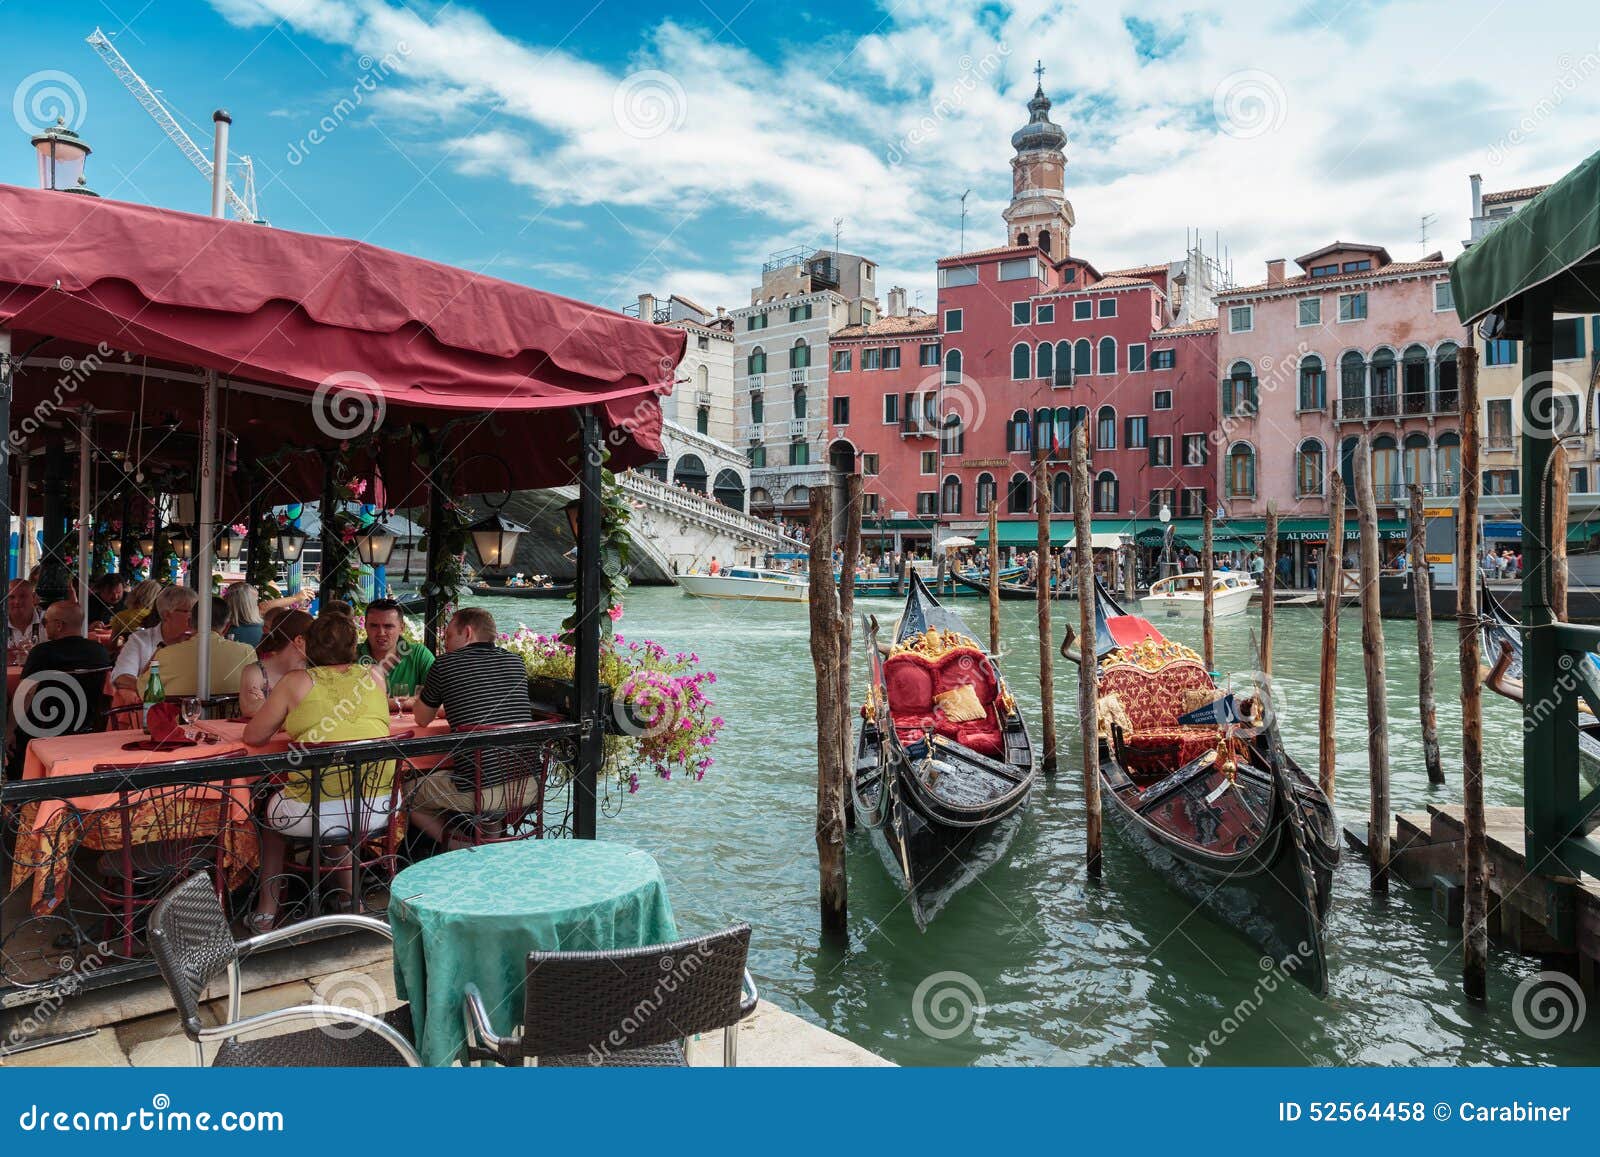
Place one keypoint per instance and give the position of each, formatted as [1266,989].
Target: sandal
[261,922]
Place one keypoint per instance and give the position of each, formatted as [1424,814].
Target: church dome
[1039,133]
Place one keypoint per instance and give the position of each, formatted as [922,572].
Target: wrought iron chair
[193,945]
[509,790]
[576,1004]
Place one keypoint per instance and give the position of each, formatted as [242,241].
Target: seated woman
[281,650]
[335,698]
[137,609]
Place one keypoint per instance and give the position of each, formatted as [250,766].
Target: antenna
[1426,220]
[838,225]
[964,197]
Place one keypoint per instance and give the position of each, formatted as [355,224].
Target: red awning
[319,317]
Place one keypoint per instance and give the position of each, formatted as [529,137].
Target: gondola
[941,798]
[527,591]
[1208,796]
[1009,591]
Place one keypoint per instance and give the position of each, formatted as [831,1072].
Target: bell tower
[1040,214]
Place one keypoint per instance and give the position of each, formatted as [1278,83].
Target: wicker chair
[576,1004]
[193,945]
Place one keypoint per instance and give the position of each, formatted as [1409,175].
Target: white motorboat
[1182,596]
[747,582]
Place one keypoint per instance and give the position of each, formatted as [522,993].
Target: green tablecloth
[473,916]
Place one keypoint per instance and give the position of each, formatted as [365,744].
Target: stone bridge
[673,530]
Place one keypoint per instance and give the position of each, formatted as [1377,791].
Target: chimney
[1275,271]
[722,312]
[1477,194]
[647,307]
[897,301]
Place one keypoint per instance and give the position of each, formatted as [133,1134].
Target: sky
[601,149]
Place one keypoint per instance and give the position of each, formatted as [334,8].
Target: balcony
[1399,493]
[754,382]
[919,426]
[797,427]
[797,376]
[1412,405]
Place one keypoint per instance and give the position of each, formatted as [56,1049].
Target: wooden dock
[1528,911]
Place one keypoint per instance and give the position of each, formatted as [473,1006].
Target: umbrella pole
[206,536]
[85,513]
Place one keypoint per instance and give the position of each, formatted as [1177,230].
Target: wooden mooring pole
[1379,822]
[1088,695]
[847,603]
[825,636]
[1560,491]
[1208,615]
[1269,586]
[1328,690]
[1475,852]
[1422,592]
[994,577]
[1041,583]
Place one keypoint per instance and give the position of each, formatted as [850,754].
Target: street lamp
[62,154]
[182,544]
[147,544]
[1166,514]
[375,544]
[291,541]
[229,545]
[496,538]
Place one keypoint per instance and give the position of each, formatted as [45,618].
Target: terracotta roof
[1112,281]
[890,326]
[1028,249]
[1514,195]
[1204,325]
[1140,270]
[712,327]
[1305,279]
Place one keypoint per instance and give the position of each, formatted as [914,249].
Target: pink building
[1355,344]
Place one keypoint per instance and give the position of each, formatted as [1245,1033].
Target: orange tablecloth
[46,835]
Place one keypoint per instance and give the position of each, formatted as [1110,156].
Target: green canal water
[1036,964]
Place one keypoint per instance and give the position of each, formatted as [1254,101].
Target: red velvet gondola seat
[1152,701]
[915,682]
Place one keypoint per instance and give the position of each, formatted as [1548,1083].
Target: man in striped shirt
[475,684]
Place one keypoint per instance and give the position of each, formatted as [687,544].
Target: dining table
[50,831]
[472,916]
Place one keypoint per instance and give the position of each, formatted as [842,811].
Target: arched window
[691,472]
[1414,380]
[985,492]
[1444,376]
[1108,355]
[1106,493]
[1313,384]
[1384,384]
[1044,240]
[1042,421]
[702,378]
[1347,467]
[756,363]
[1386,470]
[1063,429]
[1017,432]
[1019,494]
[1061,492]
[799,401]
[758,408]
[1310,466]
[728,489]
[1021,361]
[1241,470]
[1417,462]
[950,495]
[952,368]
[1239,390]
[1449,461]
[702,419]
[1046,360]
[1352,386]
[1105,429]
[1063,363]
[1022,238]
[799,354]
[952,435]
[1082,358]
[658,469]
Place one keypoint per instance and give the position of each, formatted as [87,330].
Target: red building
[1030,341]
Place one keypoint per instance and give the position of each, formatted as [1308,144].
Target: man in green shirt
[405,664]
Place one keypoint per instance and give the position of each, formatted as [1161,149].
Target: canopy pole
[6,369]
[85,512]
[24,539]
[437,492]
[206,536]
[591,735]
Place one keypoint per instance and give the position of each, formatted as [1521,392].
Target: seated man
[105,597]
[65,650]
[175,609]
[22,614]
[180,662]
[476,683]
[405,664]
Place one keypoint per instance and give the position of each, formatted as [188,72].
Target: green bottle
[154,692]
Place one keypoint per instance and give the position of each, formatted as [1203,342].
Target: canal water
[1035,964]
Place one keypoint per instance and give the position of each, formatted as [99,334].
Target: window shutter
[1227,396]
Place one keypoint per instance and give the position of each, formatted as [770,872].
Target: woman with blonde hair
[137,608]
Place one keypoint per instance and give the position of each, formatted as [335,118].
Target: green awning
[1583,533]
[1550,240]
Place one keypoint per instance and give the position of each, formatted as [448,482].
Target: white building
[781,370]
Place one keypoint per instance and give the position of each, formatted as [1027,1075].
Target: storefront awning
[1023,534]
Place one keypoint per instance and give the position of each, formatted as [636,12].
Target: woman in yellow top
[334,698]
[136,608]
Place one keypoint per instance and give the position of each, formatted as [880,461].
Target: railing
[919,426]
[90,854]
[1360,409]
[754,382]
[797,375]
[1399,493]
[705,509]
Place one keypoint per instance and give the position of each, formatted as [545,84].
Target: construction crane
[243,207]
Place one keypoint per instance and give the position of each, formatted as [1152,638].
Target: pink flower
[615,612]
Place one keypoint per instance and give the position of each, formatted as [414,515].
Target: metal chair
[508,787]
[193,945]
[631,1007]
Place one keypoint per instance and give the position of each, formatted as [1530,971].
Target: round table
[473,916]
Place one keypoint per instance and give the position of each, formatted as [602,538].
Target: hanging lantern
[114,543]
[62,154]
[374,544]
[229,545]
[291,541]
[182,542]
[147,544]
[496,539]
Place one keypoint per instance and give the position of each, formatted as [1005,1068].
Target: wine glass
[191,711]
